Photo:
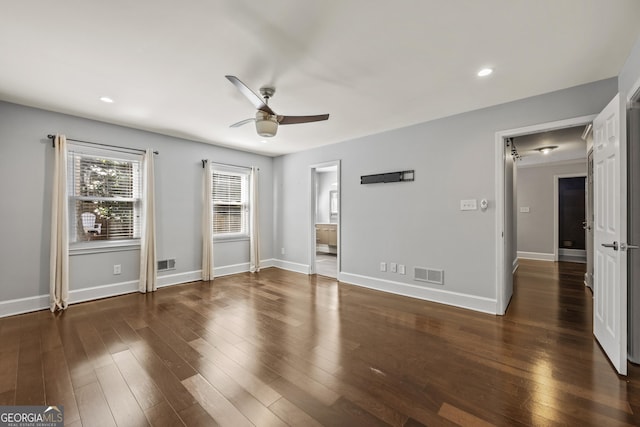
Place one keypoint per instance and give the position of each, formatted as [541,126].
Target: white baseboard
[178,278]
[23,305]
[471,302]
[535,256]
[291,266]
[515,264]
[104,291]
[41,302]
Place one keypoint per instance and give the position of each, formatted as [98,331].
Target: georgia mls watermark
[31,416]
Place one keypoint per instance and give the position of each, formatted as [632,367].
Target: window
[104,195]
[230,202]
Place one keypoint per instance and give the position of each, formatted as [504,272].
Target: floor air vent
[167,264]
[429,275]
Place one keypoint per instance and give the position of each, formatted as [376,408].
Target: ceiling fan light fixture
[267,126]
[547,150]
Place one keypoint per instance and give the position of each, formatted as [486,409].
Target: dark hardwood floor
[280,348]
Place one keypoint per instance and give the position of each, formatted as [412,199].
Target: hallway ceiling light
[547,150]
[106,99]
[485,72]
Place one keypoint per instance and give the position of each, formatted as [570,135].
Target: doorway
[610,228]
[325,221]
[510,209]
[570,217]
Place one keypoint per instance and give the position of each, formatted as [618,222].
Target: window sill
[232,238]
[97,247]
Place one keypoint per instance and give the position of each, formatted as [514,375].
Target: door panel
[610,296]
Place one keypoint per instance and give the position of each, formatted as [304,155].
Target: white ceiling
[373,65]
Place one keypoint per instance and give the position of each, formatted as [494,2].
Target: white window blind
[105,192]
[230,203]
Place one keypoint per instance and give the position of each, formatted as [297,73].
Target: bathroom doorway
[326,219]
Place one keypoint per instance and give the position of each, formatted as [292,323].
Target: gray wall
[630,72]
[535,190]
[26,160]
[419,223]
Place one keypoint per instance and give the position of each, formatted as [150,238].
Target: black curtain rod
[52,138]
[205,161]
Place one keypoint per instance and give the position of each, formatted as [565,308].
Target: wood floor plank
[238,396]
[29,381]
[163,415]
[80,368]
[220,409]
[316,409]
[295,375]
[140,383]
[176,364]
[8,398]
[49,335]
[108,335]
[461,417]
[252,384]
[124,406]
[97,353]
[94,410]
[291,414]
[57,384]
[172,389]
[196,416]
[8,370]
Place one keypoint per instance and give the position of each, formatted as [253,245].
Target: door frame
[312,217]
[556,208]
[502,301]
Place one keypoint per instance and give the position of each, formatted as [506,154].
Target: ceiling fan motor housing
[266,124]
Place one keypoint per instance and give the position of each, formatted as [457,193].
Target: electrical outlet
[383,266]
[402,269]
[394,267]
[117,269]
[282,251]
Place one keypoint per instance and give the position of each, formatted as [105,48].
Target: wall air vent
[429,275]
[167,264]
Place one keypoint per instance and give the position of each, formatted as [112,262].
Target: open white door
[610,219]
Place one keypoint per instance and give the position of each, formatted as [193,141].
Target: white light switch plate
[469,205]
[524,209]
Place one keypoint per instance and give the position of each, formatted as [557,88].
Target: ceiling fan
[266,119]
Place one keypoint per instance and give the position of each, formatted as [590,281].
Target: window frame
[77,246]
[245,174]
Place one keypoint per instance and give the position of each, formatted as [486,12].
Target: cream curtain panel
[207,223]
[59,255]
[254,222]
[148,261]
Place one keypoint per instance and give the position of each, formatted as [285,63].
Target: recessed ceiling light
[485,72]
[547,150]
[106,99]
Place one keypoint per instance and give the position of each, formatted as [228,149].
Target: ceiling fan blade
[292,120]
[242,122]
[253,97]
